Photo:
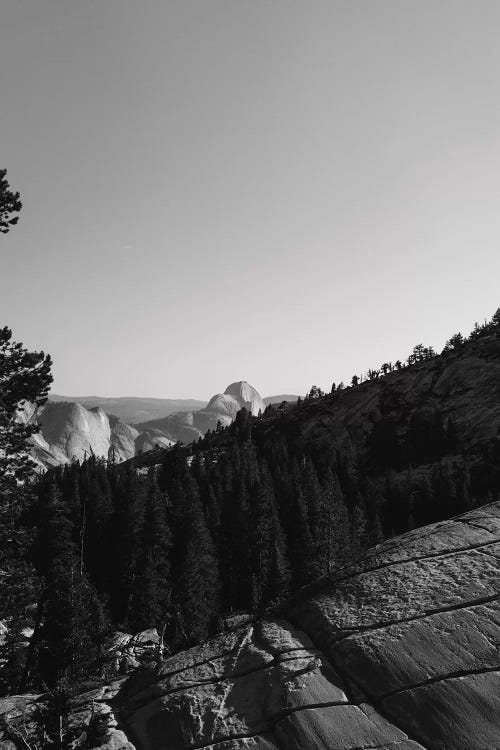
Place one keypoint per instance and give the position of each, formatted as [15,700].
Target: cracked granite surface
[401,652]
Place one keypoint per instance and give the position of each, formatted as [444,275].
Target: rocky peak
[74,430]
[69,431]
[246,395]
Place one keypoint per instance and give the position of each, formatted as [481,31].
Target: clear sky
[277,191]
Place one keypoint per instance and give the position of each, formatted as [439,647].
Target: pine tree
[314,501]
[127,525]
[300,541]
[269,566]
[20,583]
[93,502]
[52,719]
[197,589]
[359,535]
[374,504]
[235,545]
[19,590]
[24,376]
[151,600]
[10,204]
[70,636]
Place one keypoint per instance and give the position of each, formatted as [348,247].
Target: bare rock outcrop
[246,396]
[400,652]
[69,431]
[19,717]
[223,408]
[122,441]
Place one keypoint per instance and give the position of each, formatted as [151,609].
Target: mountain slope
[446,405]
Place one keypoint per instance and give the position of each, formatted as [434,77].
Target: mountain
[70,430]
[399,652]
[409,447]
[223,407]
[134,409]
[412,415]
[289,397]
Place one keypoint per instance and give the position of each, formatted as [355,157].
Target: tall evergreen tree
[127,526]
[300,542]
[69,640]
[269,564]
[336,524]
[151,601]
[314,500]
[359,536]
[197,590]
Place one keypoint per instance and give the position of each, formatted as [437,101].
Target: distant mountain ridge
[72,430]
[132,409]
[137,409]
[290,397]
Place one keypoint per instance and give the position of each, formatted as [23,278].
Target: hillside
[407,415]
[436,416]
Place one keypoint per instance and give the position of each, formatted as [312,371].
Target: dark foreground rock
[18,717]
[401,652]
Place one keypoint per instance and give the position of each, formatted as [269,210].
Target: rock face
[223,407]
[70,431]
[123,439]
[400,652]
[18,720]
[19,713]
[246,396]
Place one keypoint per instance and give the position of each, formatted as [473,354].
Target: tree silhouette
[10,204]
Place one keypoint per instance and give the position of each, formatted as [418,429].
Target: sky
[275,191]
